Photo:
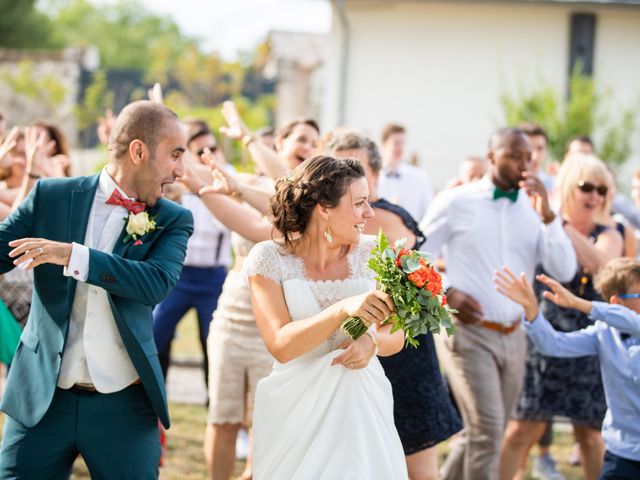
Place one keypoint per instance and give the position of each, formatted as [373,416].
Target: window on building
[582,42]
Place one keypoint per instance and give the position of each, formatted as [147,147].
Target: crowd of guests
[500,391]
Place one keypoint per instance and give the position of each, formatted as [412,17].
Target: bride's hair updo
[320,180]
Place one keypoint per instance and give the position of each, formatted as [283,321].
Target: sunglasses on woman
[629,296]
[588,187]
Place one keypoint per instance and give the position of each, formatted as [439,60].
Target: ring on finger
[40,250]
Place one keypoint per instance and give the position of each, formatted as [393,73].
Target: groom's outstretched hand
[31,252]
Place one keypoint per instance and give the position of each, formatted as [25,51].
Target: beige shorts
[237,361]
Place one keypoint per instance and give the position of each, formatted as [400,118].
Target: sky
[232,25]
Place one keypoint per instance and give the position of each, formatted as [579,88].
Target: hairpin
[287,177]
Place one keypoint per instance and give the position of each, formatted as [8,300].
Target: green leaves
[587,110]
[418,311]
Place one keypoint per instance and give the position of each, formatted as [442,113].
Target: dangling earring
[327,235]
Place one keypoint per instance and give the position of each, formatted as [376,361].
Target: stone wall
[43,85]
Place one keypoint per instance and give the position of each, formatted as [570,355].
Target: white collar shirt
[210,244]
[408,186]
[94,352]
[478,235]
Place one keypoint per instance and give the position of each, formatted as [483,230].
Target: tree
[27,83]
[97,100]
[584,112]
[22,26]
[128,36]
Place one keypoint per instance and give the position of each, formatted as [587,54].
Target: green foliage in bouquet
[415,287]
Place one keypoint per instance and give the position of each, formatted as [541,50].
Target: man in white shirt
[401,183]
[503,219]
[539,146]
[105,249]
[206,263]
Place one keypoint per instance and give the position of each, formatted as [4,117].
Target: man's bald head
[142,120]
[505,136]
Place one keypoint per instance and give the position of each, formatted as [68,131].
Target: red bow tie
[132,206]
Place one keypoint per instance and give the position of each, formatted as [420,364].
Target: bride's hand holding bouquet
[415,288]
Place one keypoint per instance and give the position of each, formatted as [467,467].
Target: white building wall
[439,68]
[617,68]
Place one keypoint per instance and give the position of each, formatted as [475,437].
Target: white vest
[94,352]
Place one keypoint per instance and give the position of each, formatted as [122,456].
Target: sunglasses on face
[201,151]
[629,296]
[588,187]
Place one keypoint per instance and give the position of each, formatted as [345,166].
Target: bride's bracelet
[372,336]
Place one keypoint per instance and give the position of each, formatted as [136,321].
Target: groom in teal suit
[105,249]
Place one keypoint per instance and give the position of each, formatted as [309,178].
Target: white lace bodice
[307,297]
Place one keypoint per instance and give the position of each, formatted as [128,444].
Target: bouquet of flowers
[415,288]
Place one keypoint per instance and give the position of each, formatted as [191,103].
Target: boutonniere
[138,225]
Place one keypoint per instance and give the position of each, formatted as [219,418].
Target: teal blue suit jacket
[136,278]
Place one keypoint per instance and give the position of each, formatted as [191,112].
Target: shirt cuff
[527,325]
[78,267]
[598,310]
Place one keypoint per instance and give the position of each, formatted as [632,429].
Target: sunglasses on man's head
[629,296]
[201,151]
[588,187]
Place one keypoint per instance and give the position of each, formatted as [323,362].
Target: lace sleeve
[264,259]
[360,259]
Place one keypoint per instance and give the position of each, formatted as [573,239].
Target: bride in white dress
[326,410]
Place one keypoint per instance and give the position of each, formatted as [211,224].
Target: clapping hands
[35,148]
[558,294]
[520,291]
[105,124]
[155,94]
[8,144]
[517,289]
[236,128]
[223,182]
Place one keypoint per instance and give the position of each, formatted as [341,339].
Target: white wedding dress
[312,420]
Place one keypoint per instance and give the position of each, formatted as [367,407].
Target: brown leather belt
[504,328]
[90,387]
[84,387]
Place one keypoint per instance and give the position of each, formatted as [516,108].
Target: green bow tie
[510,194]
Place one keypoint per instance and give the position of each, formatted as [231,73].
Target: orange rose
[444,299]
[418,278]
[434,287]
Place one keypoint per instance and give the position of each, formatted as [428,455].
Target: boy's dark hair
[617,277]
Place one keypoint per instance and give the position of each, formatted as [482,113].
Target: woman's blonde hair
[576,167]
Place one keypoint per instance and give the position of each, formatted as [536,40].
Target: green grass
[186,340]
